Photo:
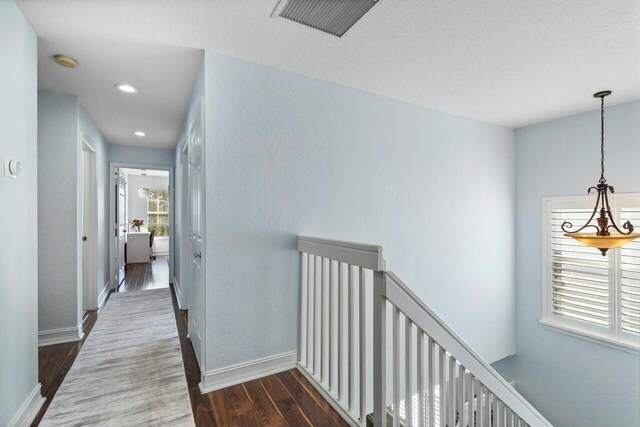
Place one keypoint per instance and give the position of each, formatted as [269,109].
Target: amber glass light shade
[615,240]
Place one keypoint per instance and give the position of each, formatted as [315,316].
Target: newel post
[379,353]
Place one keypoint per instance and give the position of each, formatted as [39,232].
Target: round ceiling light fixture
[139,133]
[126,88]
[65,61]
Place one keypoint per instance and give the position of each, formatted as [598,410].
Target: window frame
[167,225]
[612,335]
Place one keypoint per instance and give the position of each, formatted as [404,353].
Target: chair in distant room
[151,236]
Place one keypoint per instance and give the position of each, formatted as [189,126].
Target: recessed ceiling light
[139,133]
[65,61]
[126,88]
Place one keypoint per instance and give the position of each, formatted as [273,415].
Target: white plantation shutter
[630,276]
[580,274]
[586,293]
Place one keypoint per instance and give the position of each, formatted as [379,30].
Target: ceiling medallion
[602,239]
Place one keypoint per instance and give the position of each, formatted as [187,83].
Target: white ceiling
[163,75]
[508,62]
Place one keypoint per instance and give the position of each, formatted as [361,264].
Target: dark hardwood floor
[284,399]
[146,275]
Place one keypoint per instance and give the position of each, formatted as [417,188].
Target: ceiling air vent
[331,16]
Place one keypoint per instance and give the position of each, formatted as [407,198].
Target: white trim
[176,288]
[247,371]
[367,256]
[61,335]
[29,409]
[102,298]
[591,336]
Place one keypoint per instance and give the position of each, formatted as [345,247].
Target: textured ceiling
[507,62]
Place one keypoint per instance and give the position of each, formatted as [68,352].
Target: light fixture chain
[602,179]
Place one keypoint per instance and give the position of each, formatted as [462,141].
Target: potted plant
[136,224]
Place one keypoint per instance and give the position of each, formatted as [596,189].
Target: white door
[121,225]
[86,228]
[196,294]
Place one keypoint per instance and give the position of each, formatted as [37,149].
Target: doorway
[142,219]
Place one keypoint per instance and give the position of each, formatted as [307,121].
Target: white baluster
[317,366]
[442,388]
[363,347]
[408,353]
[352,333]
[303,309]
[341,362]
[480,404]
[450,396]
[332,323]
[325,321]
[469,383]
[379,350]
[460,394]
[311,313]
[431,387]
[420,373]
[396,367]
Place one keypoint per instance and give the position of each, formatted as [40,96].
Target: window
[158,212]
[584,293]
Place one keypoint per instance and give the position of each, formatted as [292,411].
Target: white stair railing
[421,374]
[333,331]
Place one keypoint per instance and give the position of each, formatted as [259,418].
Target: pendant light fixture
[144,191]
[602,239]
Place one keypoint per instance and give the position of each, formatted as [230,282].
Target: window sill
[592,337]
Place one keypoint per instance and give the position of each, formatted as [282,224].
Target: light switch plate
[7,173]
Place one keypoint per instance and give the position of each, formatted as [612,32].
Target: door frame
[112,215]
[88,289]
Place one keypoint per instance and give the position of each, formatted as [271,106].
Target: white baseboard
[176,287]
[247,371]
[103,295]
[29,409]
[58,336]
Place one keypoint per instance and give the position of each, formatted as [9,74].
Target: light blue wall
[58,151]
[141,155]
[62,125]
[289,155]
[18,214]
[572,382]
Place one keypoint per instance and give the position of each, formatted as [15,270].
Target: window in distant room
[158,212]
